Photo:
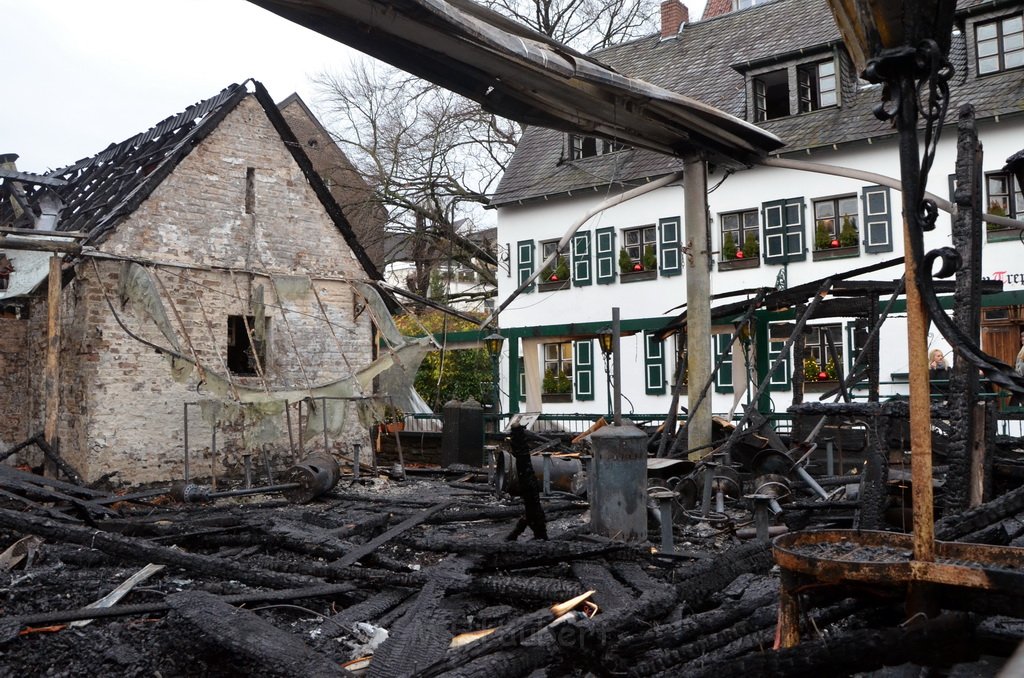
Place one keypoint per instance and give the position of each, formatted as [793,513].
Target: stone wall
[236,215]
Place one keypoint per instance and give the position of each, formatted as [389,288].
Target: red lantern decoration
[739,254]
[822,376]
[638,267]
[835,242]
[553,278]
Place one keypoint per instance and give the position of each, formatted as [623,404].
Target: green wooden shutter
[654,365]
[583,369]
[877,219]
[525,259]
[581,268]
[783,231]
[670,261]
[605,255]
[782,377]
[722,350]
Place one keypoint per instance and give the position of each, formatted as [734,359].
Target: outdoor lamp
[870,28]
[493,342]
[605,339]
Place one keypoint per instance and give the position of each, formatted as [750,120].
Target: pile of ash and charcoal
[431,572]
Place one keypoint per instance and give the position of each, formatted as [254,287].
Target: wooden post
[51,374]
[698,301]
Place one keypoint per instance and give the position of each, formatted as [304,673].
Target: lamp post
[904,46]
[493,343]
[605,339]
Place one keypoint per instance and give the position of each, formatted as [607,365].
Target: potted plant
[848,233]
[650,259]
[393,419]
[729,250]
[556,383]
[561,270]
[822,236]
[625,261]
[751,248]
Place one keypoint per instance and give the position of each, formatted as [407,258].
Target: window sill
[836,253]
[553,286]
[1003,234]
[556,398]
[637,276]
[820,386]
[736,264]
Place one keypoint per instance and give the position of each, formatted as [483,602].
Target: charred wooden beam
[533,510]
[245,633]
[353,556]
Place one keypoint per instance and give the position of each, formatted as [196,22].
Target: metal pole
[185,434]
[698,299]
[616,366]
[323,412]
[213,457]
[355,463]
[288,420]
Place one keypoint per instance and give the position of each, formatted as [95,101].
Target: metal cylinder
[356,448]
[618,507]
[546,466]
[564,473]
[665,499]
[314,476]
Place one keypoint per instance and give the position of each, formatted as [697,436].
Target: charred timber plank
[367,610]
[954,527]
[298,538]
[529,490]
[535,549]
[58,460]
[610,593]
[506,663]
[946,640]
[422,635]
[355,554]
[64,616]
[692,627]
[244,633]
[36,506]
[140,551]
[41,493]
[543,589]
[361,527]
[700,580]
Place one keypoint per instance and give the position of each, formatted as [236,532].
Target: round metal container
[315,476]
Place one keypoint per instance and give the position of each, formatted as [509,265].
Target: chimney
[673,15]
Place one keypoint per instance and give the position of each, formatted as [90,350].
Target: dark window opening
[250,190]
[246,357]
[771,96]
[581,146]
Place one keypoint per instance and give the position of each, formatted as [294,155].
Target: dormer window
[799,88]
[816,85]
[581,146]
[1000,44]
[744,4]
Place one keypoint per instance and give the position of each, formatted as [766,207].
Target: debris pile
[425,577]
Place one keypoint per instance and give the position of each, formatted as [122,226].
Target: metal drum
[314,476]
[566,473]
[618,507]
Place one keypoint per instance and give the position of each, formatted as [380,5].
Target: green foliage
[998,210]
[848,233]
[462,374]
[650,259]
[437,286]
[812,370]
[562,268]
[556,382]
[751,248]
[729,246]
[625,263]
[822,236]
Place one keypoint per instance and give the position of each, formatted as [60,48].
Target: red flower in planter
[739,254]
[553,278]
[822,376]
[835,242]
[638,267]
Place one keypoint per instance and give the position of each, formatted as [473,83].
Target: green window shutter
[782,377]
[583,369]
[783,231]
[605,255]
[670,259]
[722,350]
[581,275]
[525,257]
[877,219]
[654,365]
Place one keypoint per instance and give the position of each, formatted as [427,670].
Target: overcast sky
[82,74]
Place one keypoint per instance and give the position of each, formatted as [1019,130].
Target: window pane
[649,235]
[1014,59]
[987,48]
[986,31]
[828,99]
[989,65]
[730,222]
[848,205]
[824,209]
[1013,42]
[997,183]
[1013,25]
[550,352]
[826,68]
[632,237]
[750,220]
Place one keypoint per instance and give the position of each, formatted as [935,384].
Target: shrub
[650,259]
[729,246]
[848,234]
[822,236]
[751,248]
[556,382]
[625,262]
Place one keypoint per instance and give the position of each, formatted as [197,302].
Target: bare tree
[583,24]
[432,156]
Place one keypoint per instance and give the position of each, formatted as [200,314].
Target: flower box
[836,253]
[553,285]
[736,264]
[556,398]
[637,276]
